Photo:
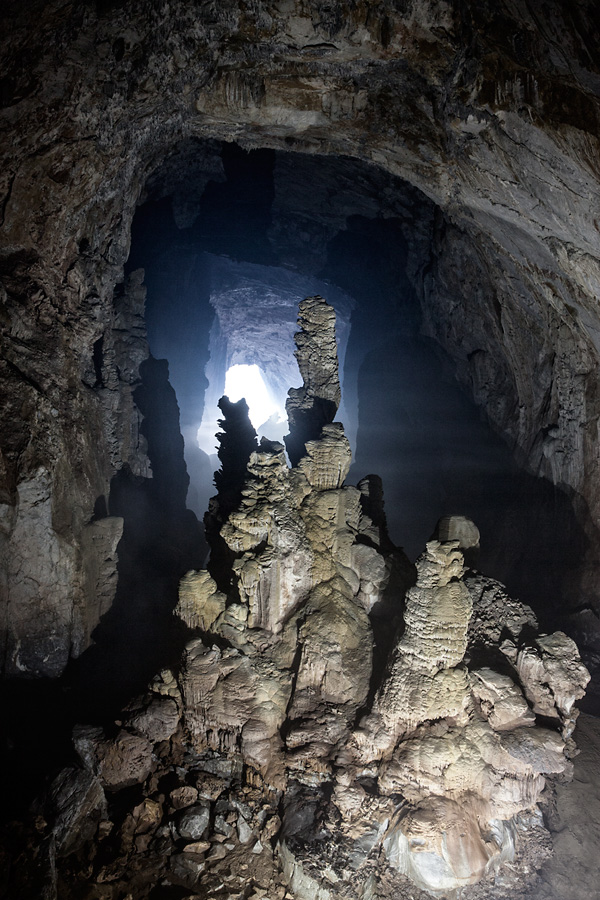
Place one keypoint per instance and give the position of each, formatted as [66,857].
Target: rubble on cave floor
[340,724]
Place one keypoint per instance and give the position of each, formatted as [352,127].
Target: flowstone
[285,752]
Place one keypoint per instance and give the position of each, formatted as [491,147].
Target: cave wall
[491,110]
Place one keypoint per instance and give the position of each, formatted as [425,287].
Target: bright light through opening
[247,382]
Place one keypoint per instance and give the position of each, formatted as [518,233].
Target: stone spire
[315,404]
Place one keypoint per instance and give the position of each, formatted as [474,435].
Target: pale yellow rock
[166,685]
[327,461]
[423,682]
[441,846]
[438,609]
[274,571]
[553,676]
[200,602]
[236,703]
[505,769]
[334,670]
[501,700]
[458,528]
[373,572]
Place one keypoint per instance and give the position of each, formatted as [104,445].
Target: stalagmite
[294,753]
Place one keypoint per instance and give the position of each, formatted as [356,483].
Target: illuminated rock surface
[472,111]
[275,756]
[472,131]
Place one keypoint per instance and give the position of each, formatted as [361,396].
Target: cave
[178,183]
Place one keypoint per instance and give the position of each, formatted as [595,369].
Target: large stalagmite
[280,756]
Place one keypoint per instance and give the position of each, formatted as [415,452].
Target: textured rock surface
[492,114]
[291,757]
[477,110]
[315,404]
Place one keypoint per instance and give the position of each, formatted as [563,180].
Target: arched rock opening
[429,310]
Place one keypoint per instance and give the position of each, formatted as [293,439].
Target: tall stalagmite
[276,755]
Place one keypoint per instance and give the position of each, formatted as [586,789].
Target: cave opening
[230,240]
[302,708]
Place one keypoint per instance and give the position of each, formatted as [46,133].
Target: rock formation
[280,757]
[316,402]
[488,116]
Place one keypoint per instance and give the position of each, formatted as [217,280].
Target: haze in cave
[336,648]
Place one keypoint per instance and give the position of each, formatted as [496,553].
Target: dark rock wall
[491,110]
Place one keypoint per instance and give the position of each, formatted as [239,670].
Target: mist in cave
[224,278]
[225,675]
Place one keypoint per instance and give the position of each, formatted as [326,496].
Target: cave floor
[573,871]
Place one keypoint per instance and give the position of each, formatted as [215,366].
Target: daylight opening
[264,412]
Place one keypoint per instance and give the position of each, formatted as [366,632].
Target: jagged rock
[501,701]
[423,768]
[166,685]
[424,682]
[197,847]
[274,570]
[78,805]
[41,565]
[210,787]
[200,601]
[333,673]
[158,720]
[185,869]
[552,675]
[144,819]
[302,885]
[466,778]
[236,703]
[237,440]
[244,830]
[495,614]
[99,545]
[194,822]
[121,762]
[490,134]
[327,460]
[315,404]
[184,796]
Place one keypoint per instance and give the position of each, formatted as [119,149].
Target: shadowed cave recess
[239,696]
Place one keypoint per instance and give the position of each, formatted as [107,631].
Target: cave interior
[466,342]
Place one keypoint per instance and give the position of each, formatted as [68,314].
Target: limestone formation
[472,131]
[480,145]
[315,404]
[284,750]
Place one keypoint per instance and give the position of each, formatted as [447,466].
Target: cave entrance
[264,410]
[231,240]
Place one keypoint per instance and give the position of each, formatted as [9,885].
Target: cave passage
[230,241]
[226,262]
[227,257]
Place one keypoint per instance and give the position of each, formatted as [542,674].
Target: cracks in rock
[98,361]
[288,723]
[28,379]
[7,197]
